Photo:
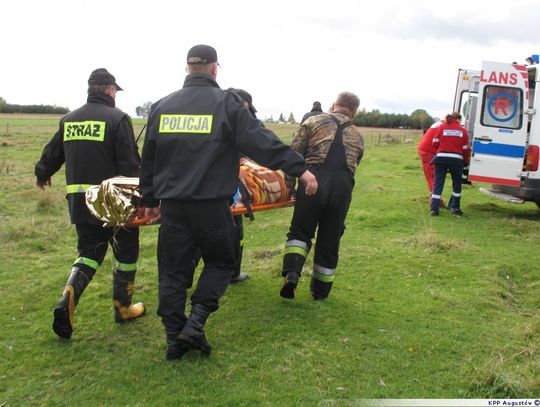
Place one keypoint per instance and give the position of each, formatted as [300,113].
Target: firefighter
[332,148]
[451,142]
[189,172]
[95,142]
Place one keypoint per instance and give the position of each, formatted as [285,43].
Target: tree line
[419,119]
[13,108]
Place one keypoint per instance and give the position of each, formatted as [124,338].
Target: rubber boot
[319,289]
[292,268]
[193,333]
[64,310]
[124,310]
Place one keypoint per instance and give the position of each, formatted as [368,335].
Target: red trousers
[429,169]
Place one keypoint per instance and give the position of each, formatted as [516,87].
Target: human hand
[153,213]
[310,183]
[42,184]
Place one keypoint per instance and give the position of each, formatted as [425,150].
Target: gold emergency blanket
[264,186]
[114,201]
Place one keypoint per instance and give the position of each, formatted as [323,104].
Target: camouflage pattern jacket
[315,136]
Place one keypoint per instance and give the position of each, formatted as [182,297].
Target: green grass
[422,307]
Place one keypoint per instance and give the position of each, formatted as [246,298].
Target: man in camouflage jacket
[332,148]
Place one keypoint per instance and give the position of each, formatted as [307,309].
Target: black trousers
[239,247]
[94,240]
[186,226]
[327,210]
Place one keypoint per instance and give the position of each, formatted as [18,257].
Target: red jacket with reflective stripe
[451,141]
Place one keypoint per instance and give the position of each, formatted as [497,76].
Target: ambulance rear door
[500,136]
[465,98]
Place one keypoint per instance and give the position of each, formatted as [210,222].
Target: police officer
[95,142]
[190,166]
[451,142]
[332,148]
[238,275]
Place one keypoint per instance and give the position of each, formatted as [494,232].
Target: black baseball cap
[244,96]
[101,77]
[201,55]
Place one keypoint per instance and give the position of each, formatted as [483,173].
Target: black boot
[64,310]
[193,333]
[292,268]
[319,289]
[288,289]
[175,347]
[124,310]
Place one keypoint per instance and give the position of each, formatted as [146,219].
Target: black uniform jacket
[193,142]
[96,142]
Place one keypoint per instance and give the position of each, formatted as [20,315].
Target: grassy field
[422,307]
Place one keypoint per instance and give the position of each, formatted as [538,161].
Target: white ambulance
[498,108]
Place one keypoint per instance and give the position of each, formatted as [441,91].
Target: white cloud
[396,55]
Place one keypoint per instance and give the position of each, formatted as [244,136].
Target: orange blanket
[264,185]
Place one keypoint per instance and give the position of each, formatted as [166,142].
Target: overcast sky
[397,56]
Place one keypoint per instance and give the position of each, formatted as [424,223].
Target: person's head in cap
[101,81]
[202,59]
[246,98]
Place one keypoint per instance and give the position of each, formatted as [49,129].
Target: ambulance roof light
[533,59]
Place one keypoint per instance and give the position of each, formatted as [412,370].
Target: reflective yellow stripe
[89,262]
[322,277]
[296,250]
[126,266]
[186,123]
[88,130]
[77,188]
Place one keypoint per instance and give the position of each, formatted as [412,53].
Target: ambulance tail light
[533,154]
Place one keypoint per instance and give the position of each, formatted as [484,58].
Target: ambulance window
[502,107]
[467,102]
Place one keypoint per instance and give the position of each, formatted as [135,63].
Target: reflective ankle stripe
[87,262]
[77,188]
[323,274]
[456,194]
[296,247]
[435,196]
[126,266]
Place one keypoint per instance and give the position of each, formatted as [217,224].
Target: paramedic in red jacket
[452,154]
[426,152]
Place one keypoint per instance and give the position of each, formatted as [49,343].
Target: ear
[213,70]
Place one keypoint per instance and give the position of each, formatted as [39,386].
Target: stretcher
[116,200]
[142,220]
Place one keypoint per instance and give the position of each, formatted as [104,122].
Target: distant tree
[281,119]
[2,101]
[420,119]
[144,110]
[291,119]
[11,108]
